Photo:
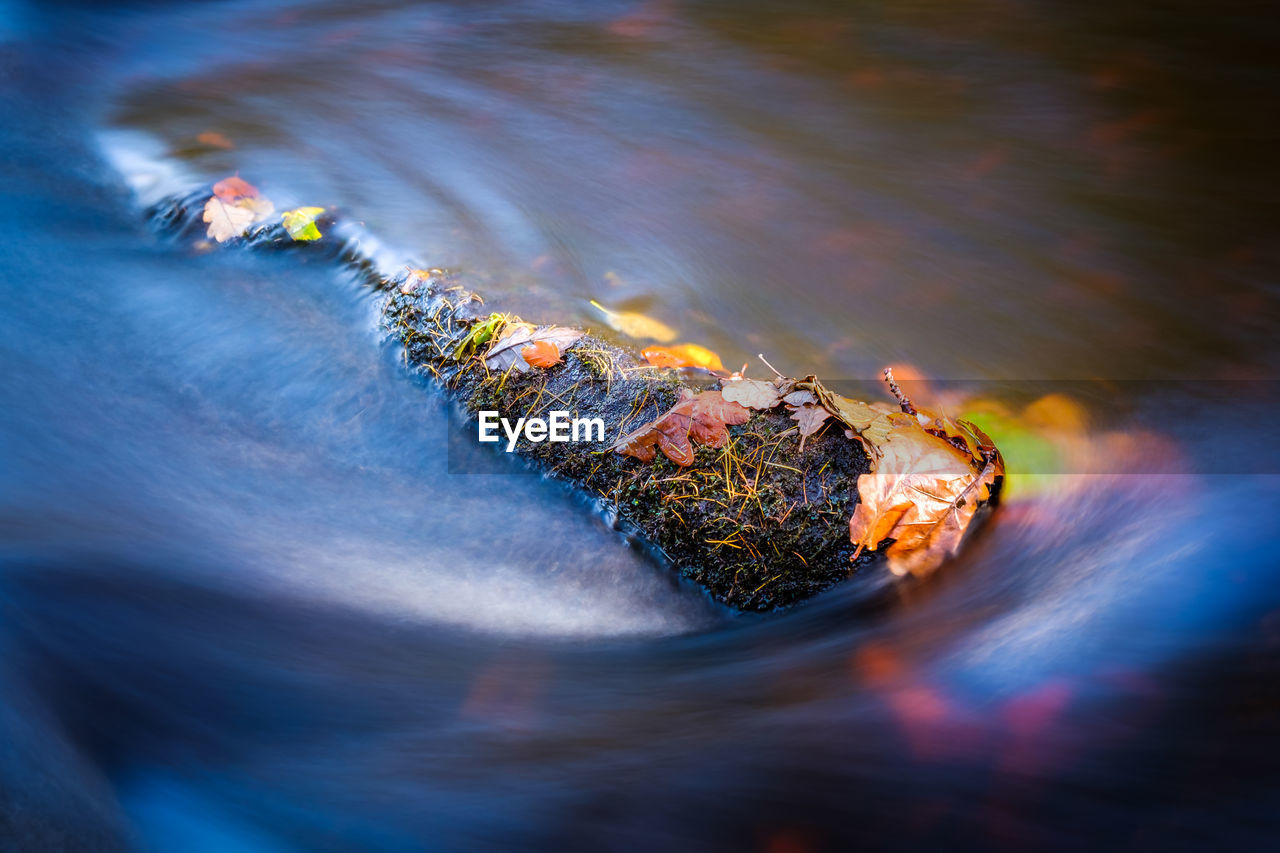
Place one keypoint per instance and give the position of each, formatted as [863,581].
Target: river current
[247,603]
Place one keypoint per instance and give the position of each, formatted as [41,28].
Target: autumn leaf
[752,393]
[541,354]
[699,356]
[799,398]
[482,333]
[234,188]
[415,278]
[810,419]
[214,140]
[923,494]
[871,423]
[662,357]
[683,355]
[301,223]
[636,325]
[235,205]
[507,351]
[711,413]
[697,418]
[226,221]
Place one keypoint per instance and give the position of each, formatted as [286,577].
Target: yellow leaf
[301,222]
[636,325]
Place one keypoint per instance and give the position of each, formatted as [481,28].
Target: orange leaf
[542,354]
[234,188]
[683,355]
[214,140]
[923,494]
[415,278]
[662,357]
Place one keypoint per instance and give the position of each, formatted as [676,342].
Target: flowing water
[244,604]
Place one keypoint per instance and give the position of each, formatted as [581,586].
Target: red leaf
[701,419]
[233,189]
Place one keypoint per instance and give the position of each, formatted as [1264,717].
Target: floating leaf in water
[683,355]
[636,325]
[214,140]
[301,222]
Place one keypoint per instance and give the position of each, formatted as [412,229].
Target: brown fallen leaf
[711,413]
[923,494]
[414,279]
[541,354]
[506,351]
[752,393]
[871,423]
[799,398]
[702,418]
[962,434]
[810,419]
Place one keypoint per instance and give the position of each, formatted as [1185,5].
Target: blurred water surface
[245,606]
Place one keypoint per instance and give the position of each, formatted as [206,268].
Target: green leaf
[301,223]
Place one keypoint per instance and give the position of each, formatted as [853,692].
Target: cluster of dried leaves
[701,418]
[236,206]
[521,346]
[929,472]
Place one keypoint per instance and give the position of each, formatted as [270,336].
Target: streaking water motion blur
[245,606]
